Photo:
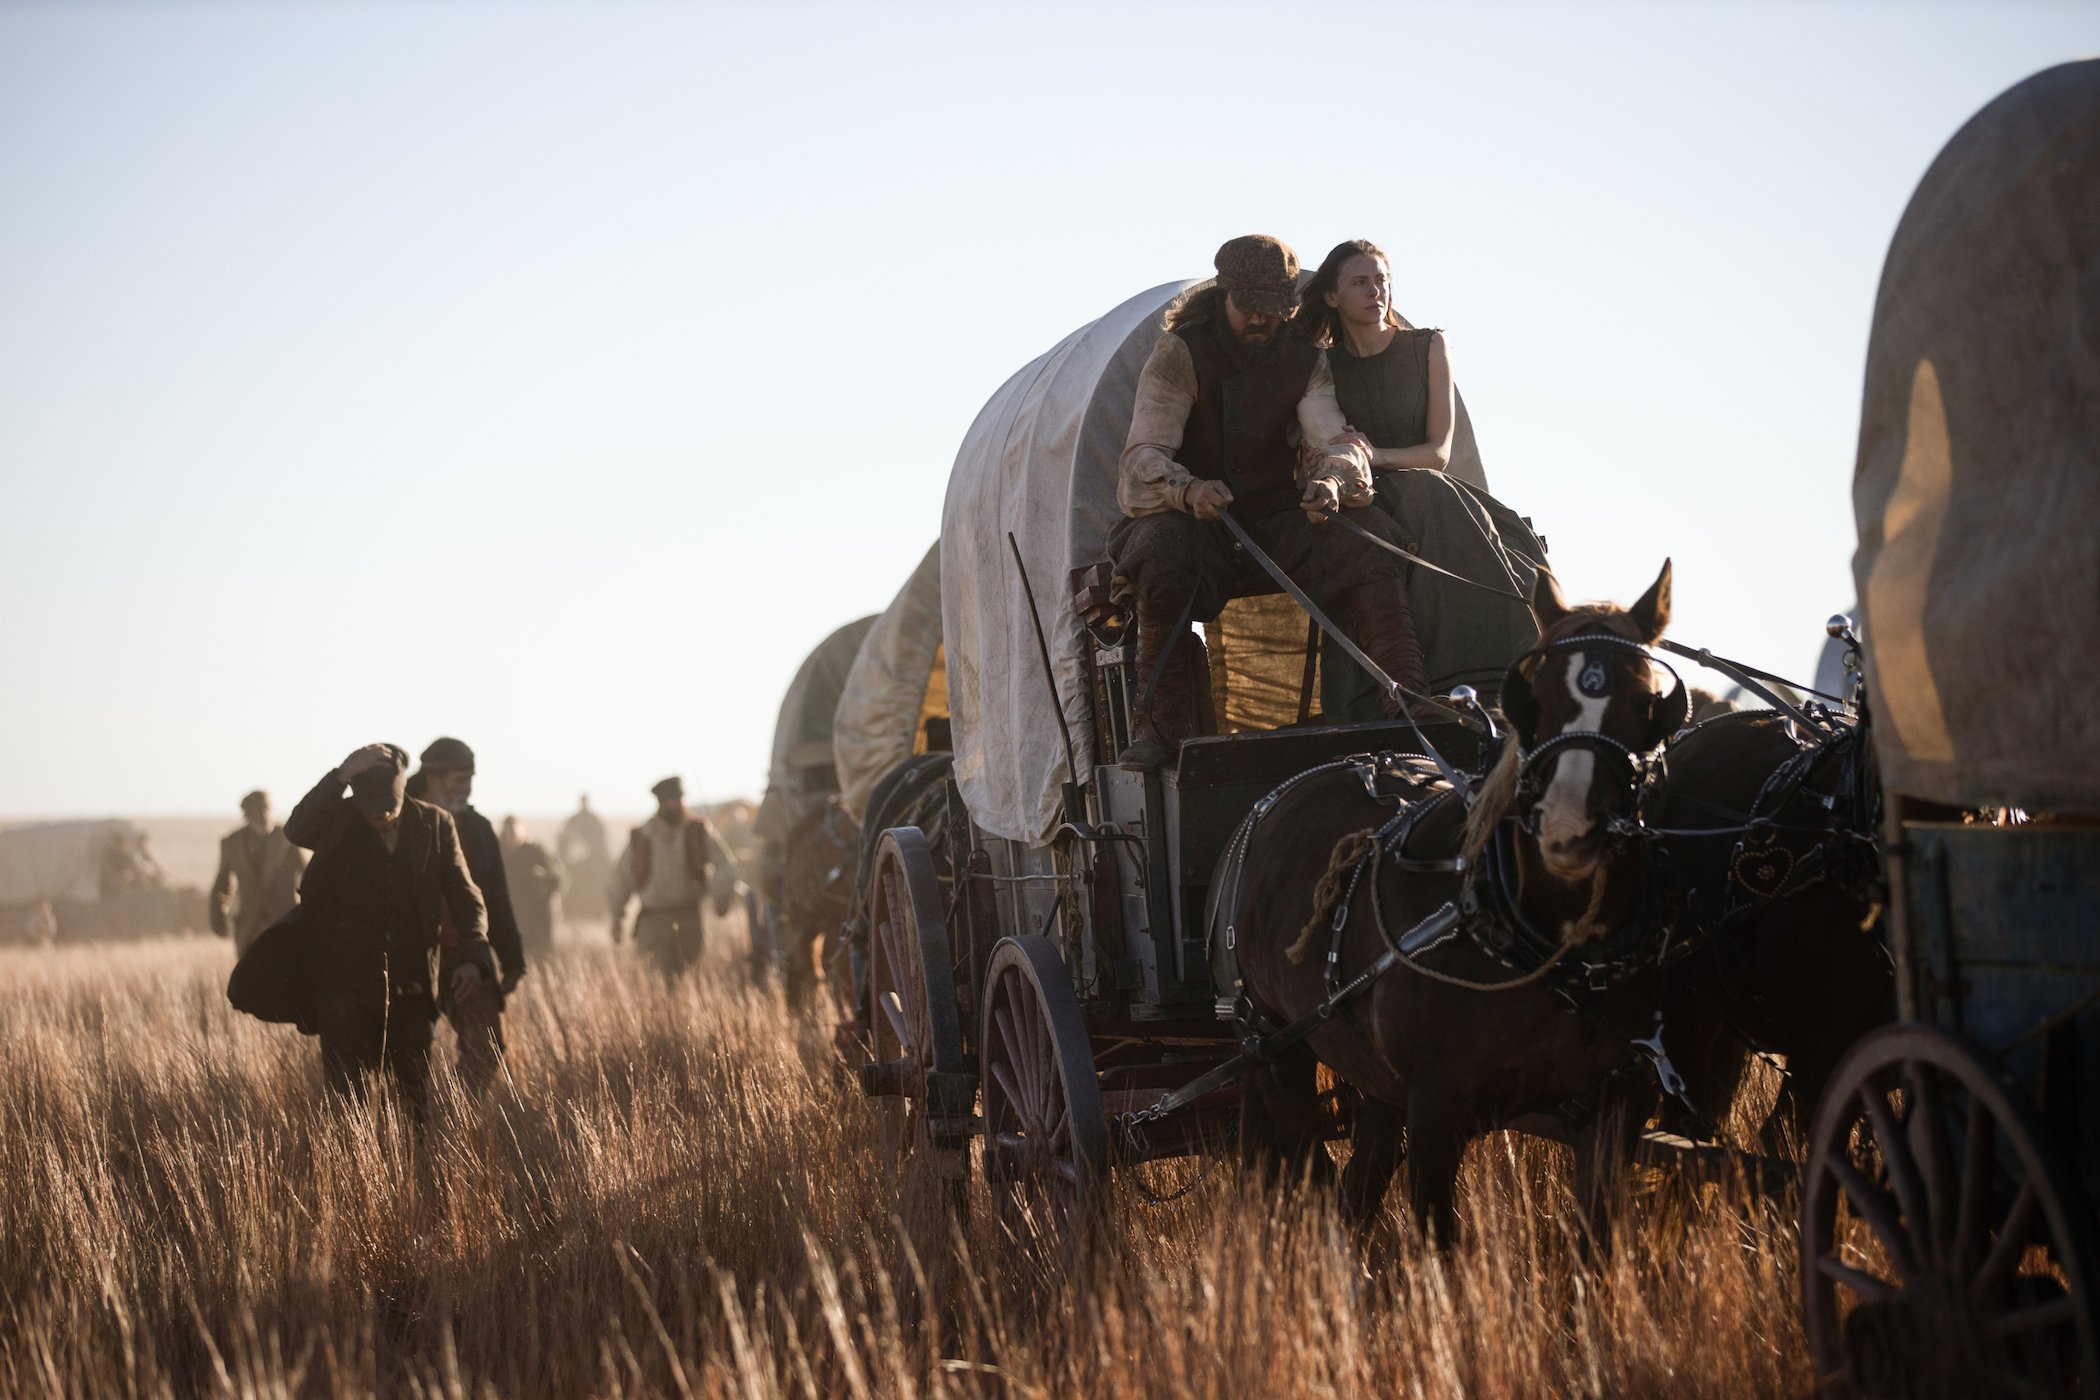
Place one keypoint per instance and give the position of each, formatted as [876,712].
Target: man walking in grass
[446,779]
[536,880]
[356,962]
[258,880]
[666,867]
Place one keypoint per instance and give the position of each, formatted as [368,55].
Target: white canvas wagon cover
[801,759]
[1977,487]
[1040,462]
[57,860]
[894,685]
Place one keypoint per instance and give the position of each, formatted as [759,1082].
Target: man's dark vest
[1386,396]
[1239,429]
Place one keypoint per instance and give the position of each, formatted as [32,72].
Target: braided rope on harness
[1363,854]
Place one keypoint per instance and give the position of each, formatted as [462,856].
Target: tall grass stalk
[677,1193]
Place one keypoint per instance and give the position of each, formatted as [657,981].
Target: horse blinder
[1669,713]
[1519,706]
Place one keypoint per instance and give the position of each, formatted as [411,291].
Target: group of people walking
[385,902]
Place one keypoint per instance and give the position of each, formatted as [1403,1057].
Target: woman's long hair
[1318,321]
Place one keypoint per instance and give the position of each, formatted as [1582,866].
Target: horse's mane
[1499,788]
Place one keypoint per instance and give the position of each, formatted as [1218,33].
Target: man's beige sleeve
[1148,479]
[1320,419]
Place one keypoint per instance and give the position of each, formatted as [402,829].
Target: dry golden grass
[680,1196]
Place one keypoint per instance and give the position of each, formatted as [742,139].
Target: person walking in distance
[535,877]
[258,879]
[665,867]
[446,779]
[586,860]
[356,960]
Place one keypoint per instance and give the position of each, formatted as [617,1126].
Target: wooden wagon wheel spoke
[1881,1213]
[1020,1017]
[898,1018]
[916,1040]
[1896,1160]
[1042,1104]
[2054,1313]
[1994,1283]
[1015,1076]
[1979,1154]
[1003,1077]
[1873,1289]
[1930,1148]
[2011,1243]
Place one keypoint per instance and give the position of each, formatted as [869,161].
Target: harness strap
[1259,1048]
[1747,678]
[1356,653]
[1417,560]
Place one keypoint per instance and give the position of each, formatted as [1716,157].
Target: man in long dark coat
[446,779]
[356,963]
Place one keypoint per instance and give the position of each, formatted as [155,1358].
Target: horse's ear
[1548,604]
[1652,613]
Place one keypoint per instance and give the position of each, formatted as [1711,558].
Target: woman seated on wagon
[1393,382]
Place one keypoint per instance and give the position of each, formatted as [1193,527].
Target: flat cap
[449,755]
[669,787]
[378,792]
[1261,273]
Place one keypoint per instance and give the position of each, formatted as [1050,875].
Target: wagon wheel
[1045,1137]
[1944,1244]
[921,1091]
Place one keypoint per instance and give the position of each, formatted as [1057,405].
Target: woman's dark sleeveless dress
[1468,635]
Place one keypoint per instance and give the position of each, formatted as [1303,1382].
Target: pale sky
[558,376]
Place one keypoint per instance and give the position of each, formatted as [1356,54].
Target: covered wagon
[1948,1228]
[1058,977]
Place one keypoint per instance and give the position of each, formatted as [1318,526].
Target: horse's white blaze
[1564,816]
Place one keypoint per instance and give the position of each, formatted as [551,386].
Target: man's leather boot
[1157,729]
[1384,625]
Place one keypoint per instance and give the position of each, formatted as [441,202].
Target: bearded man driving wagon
[1223,406]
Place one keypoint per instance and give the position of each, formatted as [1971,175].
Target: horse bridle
[1521,707]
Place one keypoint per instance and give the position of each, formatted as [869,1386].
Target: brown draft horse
[1770,827]
[821,864]
[1448,1062]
